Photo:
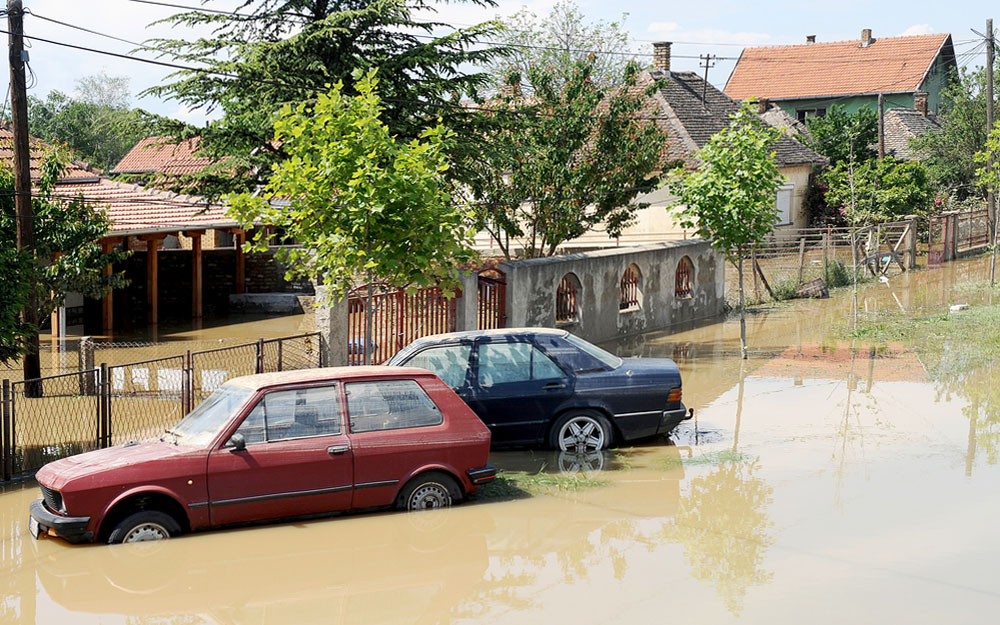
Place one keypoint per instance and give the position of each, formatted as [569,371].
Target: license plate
[33,527]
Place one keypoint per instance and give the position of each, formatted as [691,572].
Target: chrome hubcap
[146,531]
[429,496]
[581,435]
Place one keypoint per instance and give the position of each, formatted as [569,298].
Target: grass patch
[956,341]
[711,458]
[519,485]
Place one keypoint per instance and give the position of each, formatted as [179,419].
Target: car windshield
[205,422]
[604,356]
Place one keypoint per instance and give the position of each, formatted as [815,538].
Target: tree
[730,199]
[67,257]
[950,152]
[98,124]
[559,41]
[360,202]
[880,190]
[841,136]
[559,163]
[288,51]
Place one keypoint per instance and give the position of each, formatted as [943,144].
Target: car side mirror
[239,442]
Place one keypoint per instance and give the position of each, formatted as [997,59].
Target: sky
[721,27]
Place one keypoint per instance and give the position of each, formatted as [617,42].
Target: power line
[86,30]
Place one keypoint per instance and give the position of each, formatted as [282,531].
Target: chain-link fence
[66,414]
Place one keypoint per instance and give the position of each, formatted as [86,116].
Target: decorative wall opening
[631,293]
[684,277]
[567,299]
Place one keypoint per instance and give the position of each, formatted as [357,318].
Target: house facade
[806,80]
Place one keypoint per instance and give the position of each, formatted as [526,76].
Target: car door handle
[554,386]
[338,449]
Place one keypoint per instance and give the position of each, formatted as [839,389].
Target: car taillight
[675,395]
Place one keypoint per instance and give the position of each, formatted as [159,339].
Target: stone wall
[532,285]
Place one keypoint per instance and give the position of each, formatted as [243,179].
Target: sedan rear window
[389,405]
[577,354]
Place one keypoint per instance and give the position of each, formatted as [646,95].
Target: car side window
[450,363]
[501,363]
[569,355]
[389,405]
[297,413]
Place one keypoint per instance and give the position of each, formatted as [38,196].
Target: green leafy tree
[98,125]
[561,39]
[67,257]
[361,202]
[950,152]
[843,136]
[571,157]
[290,51]
[880,190]
[730,199]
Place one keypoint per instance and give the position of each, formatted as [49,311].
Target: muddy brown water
[824,483]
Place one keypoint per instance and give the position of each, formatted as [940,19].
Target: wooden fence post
[7,437]
[802,257]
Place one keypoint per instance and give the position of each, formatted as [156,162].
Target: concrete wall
[532,284]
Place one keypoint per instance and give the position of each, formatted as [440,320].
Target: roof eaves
[930,66]
[841,95]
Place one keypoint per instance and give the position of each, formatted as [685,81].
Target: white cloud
[918,29]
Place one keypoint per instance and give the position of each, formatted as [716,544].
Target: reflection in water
[723,524]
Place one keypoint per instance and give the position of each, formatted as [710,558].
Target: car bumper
[70,528]
[671,418]
[483,475]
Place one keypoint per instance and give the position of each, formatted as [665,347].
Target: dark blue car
[536,386]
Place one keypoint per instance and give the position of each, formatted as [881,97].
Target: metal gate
[492,297]
[398,318]
[938,240]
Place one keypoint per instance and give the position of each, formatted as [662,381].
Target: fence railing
[398,318]
[61,415]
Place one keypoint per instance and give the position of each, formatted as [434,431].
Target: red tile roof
[135,209]
[159,155]
[75,170]
[889,64]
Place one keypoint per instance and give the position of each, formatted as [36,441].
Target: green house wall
[935,81]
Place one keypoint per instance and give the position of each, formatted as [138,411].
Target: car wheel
[428,491]
[581,431]
[144,525]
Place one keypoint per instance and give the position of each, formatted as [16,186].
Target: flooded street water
[823,482]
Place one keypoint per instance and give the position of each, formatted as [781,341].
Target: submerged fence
[61,415]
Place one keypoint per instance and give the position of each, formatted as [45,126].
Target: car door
[448,362]
[395,428]
[297,459]
[517,390]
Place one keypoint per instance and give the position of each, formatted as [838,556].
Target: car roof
[498,332]
[263,380]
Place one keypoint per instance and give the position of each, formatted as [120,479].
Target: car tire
[581,431]
[428,491]
[144,525]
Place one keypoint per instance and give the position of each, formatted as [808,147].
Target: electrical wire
[81,28]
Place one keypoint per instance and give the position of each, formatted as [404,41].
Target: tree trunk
[743,318]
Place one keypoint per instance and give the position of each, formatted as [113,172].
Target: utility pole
[881,126]
[22,175]
[991,209]
[707,62]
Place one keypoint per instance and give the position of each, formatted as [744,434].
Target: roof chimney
[661,56]
[920,102]
[866,37]
[810,38]
[762,105]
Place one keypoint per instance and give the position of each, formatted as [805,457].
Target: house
[690,110]
[902,125]
[807,79]
[160,155]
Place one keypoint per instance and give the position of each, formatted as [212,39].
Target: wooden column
[153,278]
[196,272]
[107,302]
[240,237]
[55,332]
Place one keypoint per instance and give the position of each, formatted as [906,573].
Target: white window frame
[784,217]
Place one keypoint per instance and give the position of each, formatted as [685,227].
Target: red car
[273,446]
